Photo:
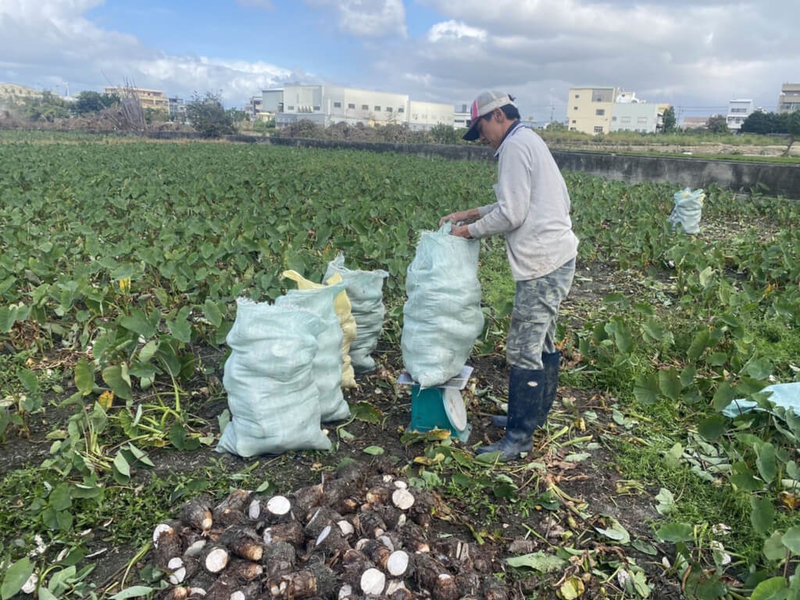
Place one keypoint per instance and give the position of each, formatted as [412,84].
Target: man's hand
[461,216]
[461,231]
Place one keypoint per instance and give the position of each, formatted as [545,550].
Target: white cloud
[368,18]
[449,30]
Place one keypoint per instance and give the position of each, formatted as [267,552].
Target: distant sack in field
[442,316]
[687,210]
[272,395]
[365,290]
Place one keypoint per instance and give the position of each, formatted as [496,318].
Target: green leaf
[762,514]
[148,351]
[723,396]
[538,561]
[116,377]
[646,388]
[15,578]
[84,377]
[744,479]
[60,498]
[698,345]
[758,369]
[666,501]
[645,547]
[670,384]
[138,322]
[791,539]
[45,594]
[766,462]
[768,588]
[137,591]
[675,532]
[653,329]
[364,411]
[121,465]
[212,313]
[614,531]
[29,380]
[373,450]
[712,427]
[774,548]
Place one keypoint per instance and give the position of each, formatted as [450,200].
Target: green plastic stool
[428,412]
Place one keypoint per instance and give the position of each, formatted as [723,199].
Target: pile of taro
[356,535]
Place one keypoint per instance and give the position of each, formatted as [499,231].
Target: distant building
[177,109]
[694,122]
[789,99]
[326,105]
[589,109]
[738,111]
[606,109]
[153,99]
[12,95]
[461,116]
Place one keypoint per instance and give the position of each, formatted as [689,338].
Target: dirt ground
[590,486]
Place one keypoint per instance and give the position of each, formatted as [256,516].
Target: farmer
[532,211]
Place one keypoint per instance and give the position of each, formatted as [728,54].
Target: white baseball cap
[485,103]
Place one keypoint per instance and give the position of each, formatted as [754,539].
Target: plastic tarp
[344,312]
[442,316]
[327,364]
[268,376]
[687,210]
[365,291]
[781,395]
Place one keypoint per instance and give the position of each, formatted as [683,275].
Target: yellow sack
[341,305]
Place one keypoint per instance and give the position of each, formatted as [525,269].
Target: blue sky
[694,54]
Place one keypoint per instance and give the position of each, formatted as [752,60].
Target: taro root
[314,580]
[290,532]
[214,558]
[403,499]
[322,517]
[307,498]
[243,542]
[493,589]
[279,558]
[372,582]
[197,513]
[166,543]
[369,524]
[242,570]
[274,510]
[434,578]
[395,562]
[330,541]
[231,511]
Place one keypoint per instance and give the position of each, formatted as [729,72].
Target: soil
[591,488]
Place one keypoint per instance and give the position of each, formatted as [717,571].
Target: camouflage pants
[533,320]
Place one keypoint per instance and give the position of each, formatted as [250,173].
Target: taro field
[120,263]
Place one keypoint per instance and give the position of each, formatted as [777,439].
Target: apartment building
[789,99]
[589,109]
[738,111]
[326,104]
[153,99]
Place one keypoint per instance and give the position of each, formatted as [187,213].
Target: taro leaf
[181,328]
[364,411]
[623,338]
[121,465]
[60,498]
[758,369]
[45,594]
[670,384]
[666,501]
[148,351]
[646,388]
[139,322]
[116,377]
[29,381]
[762,514]
[672,458]
[614,531]
[792,470]
[136,591]
[572,588]
[373,450]
[712,427]
[765,461]
[84,377]
[15,578]
[723,396]
[645,547]
[139,455]
[223,419]
[212,312]
[698,345]
[179,437]
[718,359]
[687,376]
[675,532]
[773,547]
[538,561]
[768,588]
[744,479]
[653,329]
[791,539]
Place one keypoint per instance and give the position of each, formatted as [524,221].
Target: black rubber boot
[525,389]
[551,362]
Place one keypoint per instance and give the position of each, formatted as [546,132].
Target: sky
[693,54]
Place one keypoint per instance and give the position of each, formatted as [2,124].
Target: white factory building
[328,104]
